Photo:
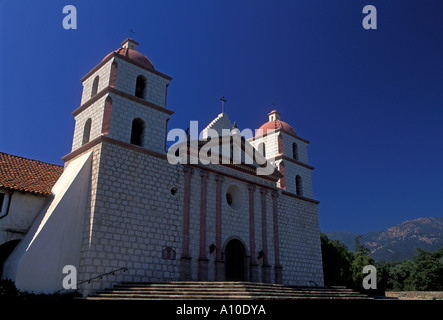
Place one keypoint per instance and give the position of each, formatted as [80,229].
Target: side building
[25,191]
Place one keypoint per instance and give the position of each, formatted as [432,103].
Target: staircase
[221,291]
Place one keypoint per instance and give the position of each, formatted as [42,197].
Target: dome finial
[274,115]
[130,43]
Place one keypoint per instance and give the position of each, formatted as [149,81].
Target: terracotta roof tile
[27,175]
[135,56]
[277,125]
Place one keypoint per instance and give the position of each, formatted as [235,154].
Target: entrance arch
[235,260]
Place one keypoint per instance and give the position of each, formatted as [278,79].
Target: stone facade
[133,216]
[166,221]
[169,222]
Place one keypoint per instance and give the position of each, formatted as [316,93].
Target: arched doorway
[235,254]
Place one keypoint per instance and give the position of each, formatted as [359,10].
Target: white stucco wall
[23,210]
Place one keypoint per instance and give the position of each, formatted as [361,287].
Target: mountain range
[399,242]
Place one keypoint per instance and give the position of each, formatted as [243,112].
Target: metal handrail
[315,283]
[124,269]
[102,275]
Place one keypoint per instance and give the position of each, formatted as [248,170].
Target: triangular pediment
[220,124]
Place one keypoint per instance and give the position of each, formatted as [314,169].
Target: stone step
[221,291]
[218,283]
[225,297]
[163,285]
[226,286]
[224,292]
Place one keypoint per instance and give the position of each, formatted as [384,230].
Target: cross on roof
[223,103]
[131,32]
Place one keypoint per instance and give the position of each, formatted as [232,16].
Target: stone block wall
[124,111]
[103,73]
[302,147]
[300,247]
[133,219]
[126,79]
[94,112]
[127,76]
[291,171]
[271,144]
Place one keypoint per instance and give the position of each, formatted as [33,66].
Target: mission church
[118,203]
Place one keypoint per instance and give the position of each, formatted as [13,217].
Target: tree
[361,259]
[337,261]
[427,271]
[423,272]
[399,275]
[342,267]
[360,248]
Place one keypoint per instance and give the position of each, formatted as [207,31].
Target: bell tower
[123,98]
[278,141]
[121,127]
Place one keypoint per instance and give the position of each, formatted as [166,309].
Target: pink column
[281,168]
[219,263]
[280,144]
[185,262]
[203,260]
[266,266]
[106,124]
[113,75]
[278,268]
[253,261]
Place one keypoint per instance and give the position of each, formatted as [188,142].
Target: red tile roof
[135,56]
[276,125]
[27,175]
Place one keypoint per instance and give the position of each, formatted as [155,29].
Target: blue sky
[370,101]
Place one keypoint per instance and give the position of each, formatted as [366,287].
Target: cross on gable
[223,103]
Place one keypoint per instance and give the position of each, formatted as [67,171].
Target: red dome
[134,56]
[276,125]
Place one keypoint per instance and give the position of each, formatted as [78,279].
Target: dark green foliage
[361,258]
[423,273]
[337,261]
[360,248]
[342,267]
[427,273]
[9,291]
